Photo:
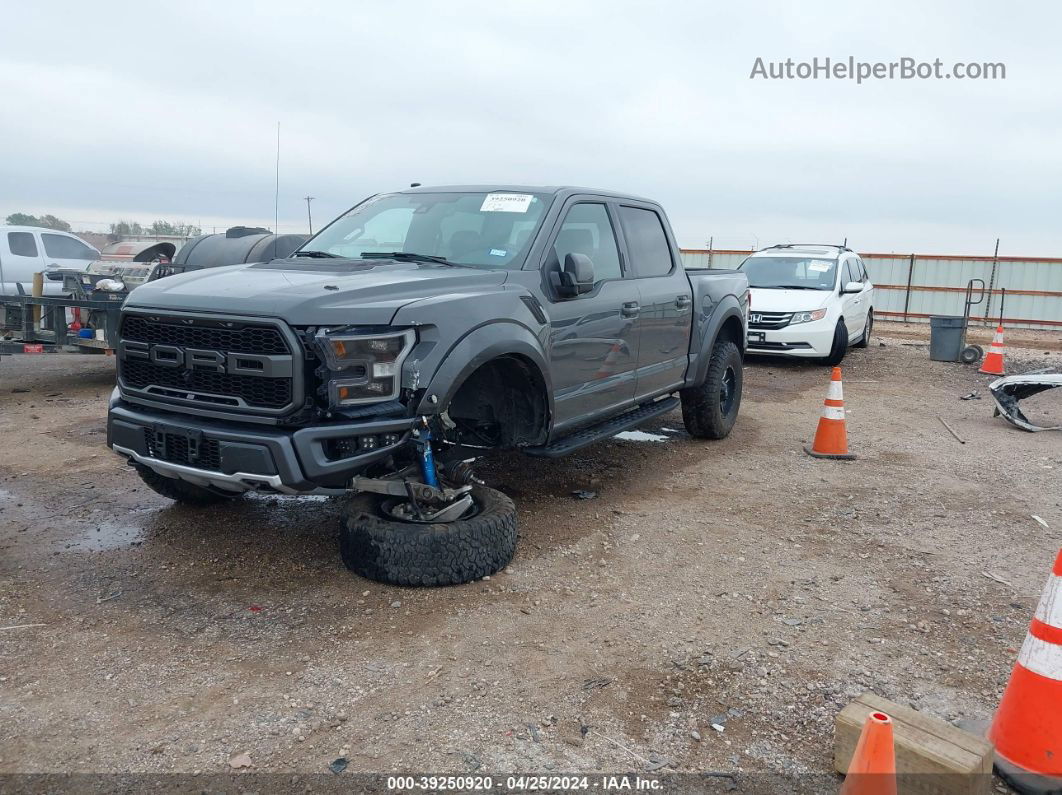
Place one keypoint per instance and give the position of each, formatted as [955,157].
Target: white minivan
[808,300]
[26,250]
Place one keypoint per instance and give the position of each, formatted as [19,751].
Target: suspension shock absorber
[422,438]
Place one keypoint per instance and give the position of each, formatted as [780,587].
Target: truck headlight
[365,367]
[807,317]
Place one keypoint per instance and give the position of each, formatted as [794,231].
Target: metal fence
[911,287]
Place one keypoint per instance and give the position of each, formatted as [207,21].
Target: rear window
[646,241]
[22,244]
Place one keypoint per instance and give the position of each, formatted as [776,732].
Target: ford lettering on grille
[211,363]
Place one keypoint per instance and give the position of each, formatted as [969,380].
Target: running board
[604,430]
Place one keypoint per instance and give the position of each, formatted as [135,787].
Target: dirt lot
[738,583]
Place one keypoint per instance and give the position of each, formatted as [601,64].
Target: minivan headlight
[365,367]
[807,317]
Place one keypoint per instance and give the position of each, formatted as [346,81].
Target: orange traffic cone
[873,767]
[831,437]
[993,363]
[1027,729]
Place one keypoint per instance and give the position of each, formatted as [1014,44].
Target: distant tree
[46,221]
[126,228]
[169,228]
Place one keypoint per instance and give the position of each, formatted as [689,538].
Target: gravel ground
[712,609]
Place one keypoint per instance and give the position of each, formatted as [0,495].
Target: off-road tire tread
[701,410]
[179,490]
[406,553]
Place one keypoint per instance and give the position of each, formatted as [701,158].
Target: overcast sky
[147,111]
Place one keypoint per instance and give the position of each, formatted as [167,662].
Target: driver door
[593,346]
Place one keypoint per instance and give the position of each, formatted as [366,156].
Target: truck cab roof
[560,191]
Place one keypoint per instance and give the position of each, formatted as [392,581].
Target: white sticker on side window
[506,203]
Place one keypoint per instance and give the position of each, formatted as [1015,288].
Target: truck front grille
[213,363]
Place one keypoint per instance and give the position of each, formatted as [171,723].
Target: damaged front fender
[1008,391]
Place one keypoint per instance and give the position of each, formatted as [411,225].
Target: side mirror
[852,287]
[577,277]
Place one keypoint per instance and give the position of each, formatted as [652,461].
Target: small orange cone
[873,767]
[993,364]
[831,437]
[1027,729]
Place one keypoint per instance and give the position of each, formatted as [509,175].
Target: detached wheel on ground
[181,491]
[840,345]
[710,410]
[382,548]
[867,329]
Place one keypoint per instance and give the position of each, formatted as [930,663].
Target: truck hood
[765,300]
[307,292]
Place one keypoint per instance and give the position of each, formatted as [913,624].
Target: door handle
[630,309]
[683,301]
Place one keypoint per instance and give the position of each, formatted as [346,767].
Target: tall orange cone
[993,363]
[873,767]
[1027,729]
[831,437]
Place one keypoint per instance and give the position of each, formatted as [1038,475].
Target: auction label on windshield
[506,203]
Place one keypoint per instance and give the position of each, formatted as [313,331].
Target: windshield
[795,273]
[482,230]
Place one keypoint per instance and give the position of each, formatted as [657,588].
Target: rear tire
[381,548]
[179,490]
[710,409]
[865,339]
[839,347]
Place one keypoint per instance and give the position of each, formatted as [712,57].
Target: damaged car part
[1010,390]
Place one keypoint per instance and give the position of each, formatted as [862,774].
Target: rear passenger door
[20,258]
[592,345]
[666,302]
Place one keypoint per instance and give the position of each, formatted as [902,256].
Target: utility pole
[309,217]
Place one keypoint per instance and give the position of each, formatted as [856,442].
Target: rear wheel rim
[728,391]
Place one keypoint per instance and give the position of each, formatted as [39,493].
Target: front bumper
[814,339]
[235,457]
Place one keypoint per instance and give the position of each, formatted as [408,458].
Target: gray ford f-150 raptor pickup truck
[414,332]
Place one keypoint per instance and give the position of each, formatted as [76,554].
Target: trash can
[946,333]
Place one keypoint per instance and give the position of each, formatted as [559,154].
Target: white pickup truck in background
[26,250]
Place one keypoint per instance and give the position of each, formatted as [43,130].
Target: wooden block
[931,756]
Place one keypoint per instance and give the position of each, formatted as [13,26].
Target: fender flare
[727,308]
[476,348]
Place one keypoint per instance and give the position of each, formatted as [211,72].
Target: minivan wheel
[379,546]
[865,339]
[840,345]
[710,410]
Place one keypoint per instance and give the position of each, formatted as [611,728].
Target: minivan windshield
[792,273]
[477,229]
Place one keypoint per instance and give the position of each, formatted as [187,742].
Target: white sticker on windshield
[819,267]
[498,252]
[506,203]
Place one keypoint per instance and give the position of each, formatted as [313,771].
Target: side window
[863,275]
[846,274]
[22,244]
[62,247]
[588,230]
[646,241]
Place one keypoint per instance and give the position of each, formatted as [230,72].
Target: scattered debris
[23,626]
[583,494]
[641,436]
[339,765]
[971,396]
[1041,522]
[1011,389]
[114,595]
[997,578]
[590,684]
[240,761]
[951,430]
